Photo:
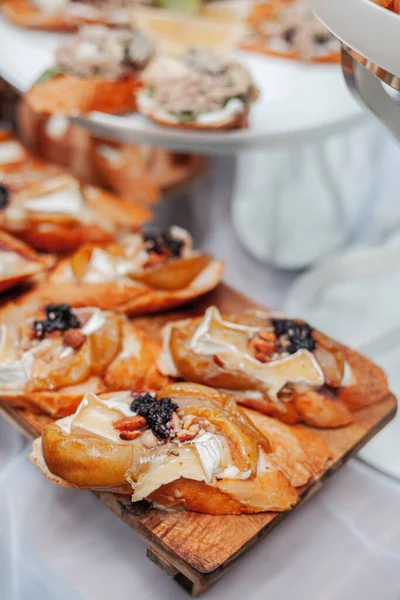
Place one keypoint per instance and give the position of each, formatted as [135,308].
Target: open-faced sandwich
[61,213]
[50,356]
[199,89]
[18,167]
[97,69]
[65,15]
[141,273]
[288,28]
[125,169]
[188,447]
[390,4]
[279,366]
[18,262]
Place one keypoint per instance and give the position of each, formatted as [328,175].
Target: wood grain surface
[195,548]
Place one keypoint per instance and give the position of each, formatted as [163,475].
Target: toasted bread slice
[27,263]
[110,278]
[234,121]
[121,356]
[99,218]
[123,168]
[270,491]
[259,45]
[110,458]
[25,14]
[298,453]
[258,42]
[329,398]
[71,95]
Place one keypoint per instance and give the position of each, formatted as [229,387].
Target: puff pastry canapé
[288,28]
[197,90]
[51,358]
[281,367]
[186,447]
[18,167]
[64,15]
[18,262]
[61,213]
[98,69]
[142,273]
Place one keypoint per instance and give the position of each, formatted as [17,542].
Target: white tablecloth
[344,544]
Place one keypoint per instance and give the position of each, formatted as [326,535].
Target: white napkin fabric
[356,298]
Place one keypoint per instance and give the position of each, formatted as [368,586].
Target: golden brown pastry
[281,367]
[124,168]
[61,213]
[97,69]
[142,273]
[198,90]
[288,28]
[186,447]
[18,262]
[64,15]
[51,358]
[18,168]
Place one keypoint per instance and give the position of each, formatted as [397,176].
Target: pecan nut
[134,423]
[74,338]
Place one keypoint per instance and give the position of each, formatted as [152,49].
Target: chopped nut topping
[218,361]
[74,338]
[148,439]
[263,346]
[185,435]
[188,420]
[130,423]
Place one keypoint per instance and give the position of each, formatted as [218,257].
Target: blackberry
[157,413]
[4,196]
[297,335]
[162,242]
[59,317]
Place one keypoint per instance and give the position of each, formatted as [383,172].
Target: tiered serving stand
[300,128]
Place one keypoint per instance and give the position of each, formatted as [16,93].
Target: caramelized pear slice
[106,343]
[188,393]
[183,389]
[330,358]
[51,370]
[85,461]
[80,260]
[244,449]
[175,274]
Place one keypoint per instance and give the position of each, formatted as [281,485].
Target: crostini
[18,262]
[61,213]
[95,70]
[65,15]
[288,28]
[279,366]
[18,167]
[186,447]
[142,273]
[52,356]
[199,89]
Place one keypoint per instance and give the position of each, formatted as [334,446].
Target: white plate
[25,54]
[298,102]
[369,29]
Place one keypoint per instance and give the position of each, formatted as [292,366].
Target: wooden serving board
[198,549]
